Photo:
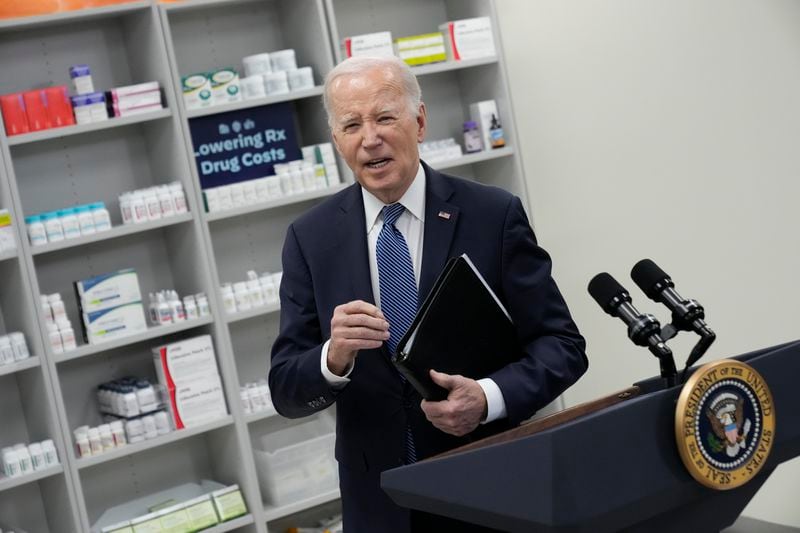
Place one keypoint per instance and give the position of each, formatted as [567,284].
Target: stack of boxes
[135,99]
[187,370]
[111,306]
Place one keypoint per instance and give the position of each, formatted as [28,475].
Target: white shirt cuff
[330,377]
[495,403]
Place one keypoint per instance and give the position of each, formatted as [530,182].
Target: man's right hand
[355,326]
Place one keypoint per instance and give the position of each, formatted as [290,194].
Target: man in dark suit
[339,294]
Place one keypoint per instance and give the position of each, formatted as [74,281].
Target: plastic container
[472,137]
[101,216]
[52,226]
[297,463]
[36,230]
[85,219]
[69,222]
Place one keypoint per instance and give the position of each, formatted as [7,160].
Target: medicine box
[297,462]
[7,241]
[201,512]
[481,113]
[196,90]
[225,86]
[185,361]
[148,523]
[421,49]
[113,323]
[197,402]
[468,38]
[369,44]
[108,290]
[229,503]
[174,519]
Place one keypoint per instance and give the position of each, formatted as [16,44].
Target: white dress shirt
[411,224]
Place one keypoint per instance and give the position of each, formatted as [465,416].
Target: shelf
[56,133]
[230,525]
[74,16]
[200,4]
[8,254]
[271,204]
[113,233]
[273,513]
[261,415]
[25,364]
[469,159]
[130,449]
[446,66]
[153,332]
[12,482]
[255,102]
[251,313]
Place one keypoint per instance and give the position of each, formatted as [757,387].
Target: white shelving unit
[48,395]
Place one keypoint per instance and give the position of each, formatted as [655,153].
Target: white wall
[666,129]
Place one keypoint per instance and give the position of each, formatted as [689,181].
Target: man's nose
[370,135]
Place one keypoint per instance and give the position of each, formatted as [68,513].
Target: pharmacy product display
[21,459]
[61,335]
[13,348]
[265,74]
[317,170]
[67,223]
[42,109]
[166,307]
[7,241]
[111,306]
[173,512]
[153,203]
[433,152]
[256,291]
[187,370]
[256,398]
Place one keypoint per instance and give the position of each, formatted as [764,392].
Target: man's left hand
[463,409]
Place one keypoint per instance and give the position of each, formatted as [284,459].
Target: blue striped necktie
[397,287]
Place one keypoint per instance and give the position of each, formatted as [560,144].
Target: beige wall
[666,129]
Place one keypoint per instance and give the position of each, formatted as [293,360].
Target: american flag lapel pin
[444,214]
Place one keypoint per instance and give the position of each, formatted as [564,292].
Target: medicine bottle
[164,310]
[228,299]
[50,453]
[57,306]
[36,231]
[255,293]
[202,304]
[162,422]
[52,226]
[67,334]
[95,443]
[69,223]
[472,137]
[268,287]
[125,207]
[101,216]
[138,208]
[37,456]
[118,432]
[150,430]
[496,136]
[152,203]
[190,307]
[106,438]
[130,403]
[135,430]
[176,307]
[146,396]
[178,197]
[166,201]
[10,462]
[245,398]
[242,296]
[24,458]
[55,338]
[83,446]
[6,351]
[85,219]
[19,346]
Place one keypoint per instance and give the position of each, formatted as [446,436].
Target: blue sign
[243,145]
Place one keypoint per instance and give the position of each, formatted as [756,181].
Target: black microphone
[687,315]
[643,329]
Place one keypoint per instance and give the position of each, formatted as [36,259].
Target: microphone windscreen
[604,288]
[647,275]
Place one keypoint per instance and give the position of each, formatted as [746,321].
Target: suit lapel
[352,245]
[441,219]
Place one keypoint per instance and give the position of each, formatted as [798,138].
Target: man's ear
[422,122]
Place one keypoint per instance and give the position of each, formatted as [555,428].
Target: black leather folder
[461,328]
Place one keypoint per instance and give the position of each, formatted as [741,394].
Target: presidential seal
[725,424]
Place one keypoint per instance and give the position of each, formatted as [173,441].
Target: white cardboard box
[468,38]
[369,44]
[108,290]
[481,113]
[185,361]
[197,402]
[113,323]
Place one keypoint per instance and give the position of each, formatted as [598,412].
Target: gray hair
[361,64]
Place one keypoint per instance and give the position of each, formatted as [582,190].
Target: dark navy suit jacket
[325,264]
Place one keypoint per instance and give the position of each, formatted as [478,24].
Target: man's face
[375,131]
